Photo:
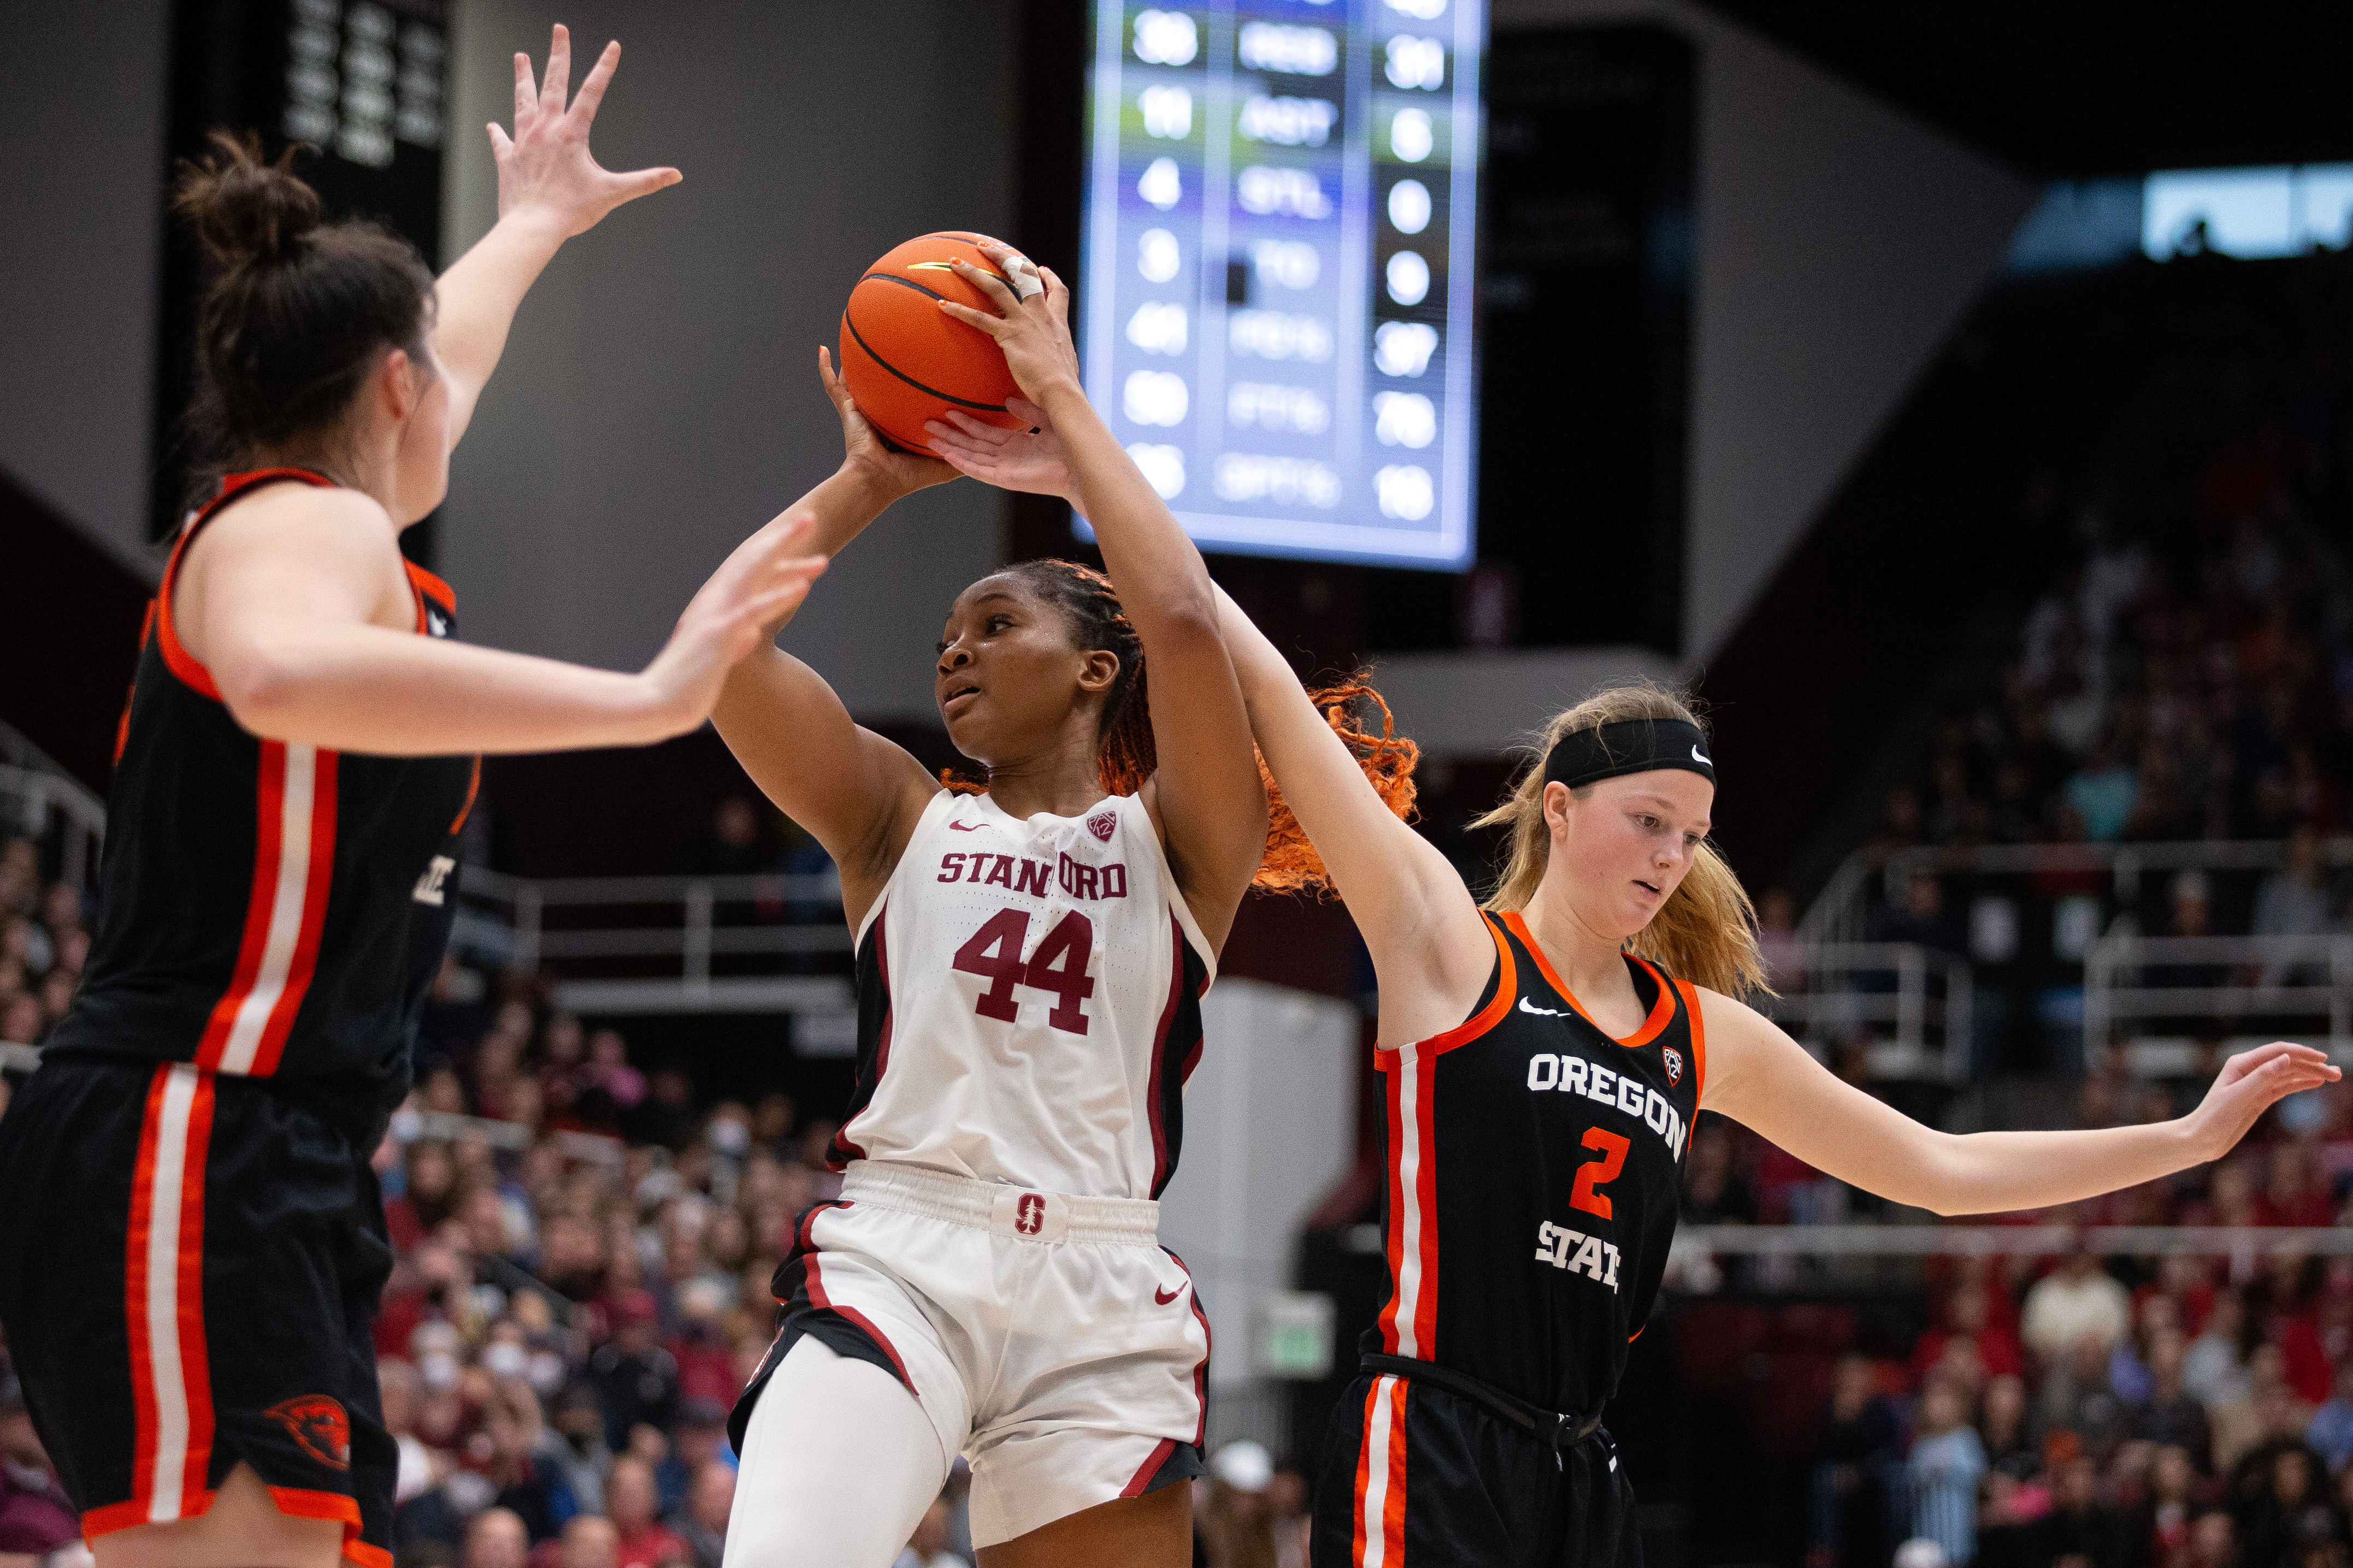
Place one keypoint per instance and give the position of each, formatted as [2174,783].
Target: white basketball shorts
[1050,1339]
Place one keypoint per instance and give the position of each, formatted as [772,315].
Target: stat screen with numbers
[1276,284]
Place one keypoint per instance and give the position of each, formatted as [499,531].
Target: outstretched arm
[1431,949]
[550,188]
[1765,1081]
[1206,793]
[296,605]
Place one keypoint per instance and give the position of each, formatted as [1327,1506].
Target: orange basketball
[905,360]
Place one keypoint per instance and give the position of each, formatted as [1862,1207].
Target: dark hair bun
[245,210]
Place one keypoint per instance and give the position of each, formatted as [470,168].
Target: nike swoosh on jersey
[1162,1298]
[1526,1006]
[964,827]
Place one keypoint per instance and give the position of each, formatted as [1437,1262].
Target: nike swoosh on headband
[1698,756]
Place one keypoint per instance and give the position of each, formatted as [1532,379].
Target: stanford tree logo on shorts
[1029,1214]
[318,1424]
[1101,823]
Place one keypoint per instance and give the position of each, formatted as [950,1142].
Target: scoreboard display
[1276,277]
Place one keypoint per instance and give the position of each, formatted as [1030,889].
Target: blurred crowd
[2186,1413]
[44,942]
[2190,673]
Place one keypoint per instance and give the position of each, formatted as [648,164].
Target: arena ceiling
[2082,87]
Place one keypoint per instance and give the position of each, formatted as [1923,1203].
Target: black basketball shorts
[1417,1477]
[189,1270]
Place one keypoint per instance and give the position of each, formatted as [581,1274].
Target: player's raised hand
[2250,1084]
[1031,323]
[897,473]
[1029,460]
[545,167]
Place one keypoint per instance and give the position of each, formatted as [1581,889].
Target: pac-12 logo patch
[319,1426]
[1674,1063]
[1029,1214]
[1101,823]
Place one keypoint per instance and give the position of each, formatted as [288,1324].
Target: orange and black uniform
[1535,1172]
[194,1241]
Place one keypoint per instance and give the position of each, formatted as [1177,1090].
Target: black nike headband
[1628,746]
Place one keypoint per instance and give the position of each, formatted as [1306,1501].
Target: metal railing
[683,927]
[2256,977]
[1885,986]
[39,797]
[1840,912]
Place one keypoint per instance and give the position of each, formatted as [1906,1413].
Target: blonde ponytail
[1706,930]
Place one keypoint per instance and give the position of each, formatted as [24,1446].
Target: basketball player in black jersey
[1546,1058]
[194,1244]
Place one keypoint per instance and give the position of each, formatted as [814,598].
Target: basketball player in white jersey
[1030,957]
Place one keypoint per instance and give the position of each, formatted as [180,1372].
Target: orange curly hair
[1129,756]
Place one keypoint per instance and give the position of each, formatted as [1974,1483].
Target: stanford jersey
[269,910]
[1028,1002]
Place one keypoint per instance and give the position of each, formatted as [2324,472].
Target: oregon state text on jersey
[1533,1180]
[267,909]
[1028,1002]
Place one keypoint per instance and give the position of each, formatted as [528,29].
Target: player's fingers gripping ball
[906,361]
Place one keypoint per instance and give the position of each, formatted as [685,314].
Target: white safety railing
[1840,911]
[1915,999]
[683,927]
[2290,982]
[39,797]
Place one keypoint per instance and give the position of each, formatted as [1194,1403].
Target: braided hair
[1127,755]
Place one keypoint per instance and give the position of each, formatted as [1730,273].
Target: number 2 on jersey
[1612,1150]
[1059,967]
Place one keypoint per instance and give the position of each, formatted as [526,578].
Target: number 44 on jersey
[1058,967]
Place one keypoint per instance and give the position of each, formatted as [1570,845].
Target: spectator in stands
[1778,941]
[2079,1525]
[2282,1502]
[1946,1462]
[642,1542]
[2269,1413]
[636,1379]
[2078,1398]
[591,1543]
[2103,792]
[35,1517]
[2294,1193]
[2170,1416]
[2158,1531]
[2330,1431]
[2295,901]
[496,1539]
[702,1523]
[1714,1191]
[2078,1300]
[1856,1476]
[1235,1524]
[23,1020]
[1965,1321]
[929,1546]
[2002,1429]
[2215,1371]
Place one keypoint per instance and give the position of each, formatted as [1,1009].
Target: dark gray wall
[81,99]
[658,397]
